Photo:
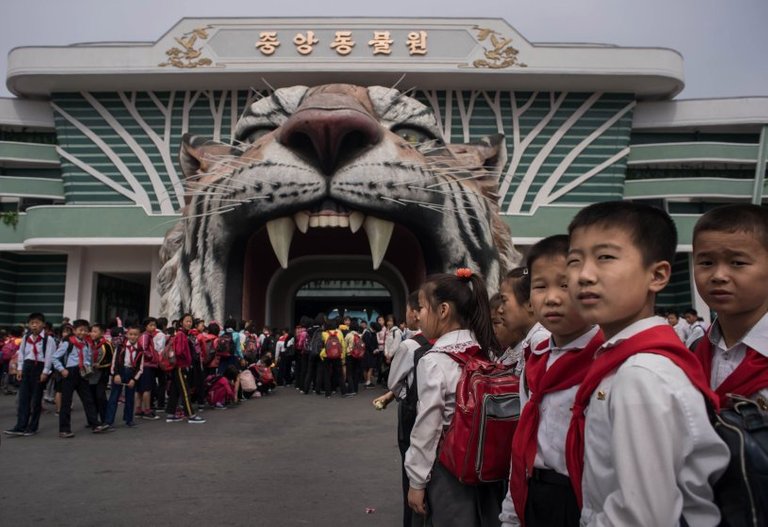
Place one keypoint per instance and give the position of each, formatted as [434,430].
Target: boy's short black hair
[519,280]
[556,245]
[691,312]
[36,316]
[80,323]
[742,217]
[651,229]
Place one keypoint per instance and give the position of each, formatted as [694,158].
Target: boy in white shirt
[640,449]
[539,487]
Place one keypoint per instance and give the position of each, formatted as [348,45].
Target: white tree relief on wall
[169,189]
[512,179]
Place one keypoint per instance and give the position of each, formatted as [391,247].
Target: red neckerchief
[568,371]
[749,377]
[80,345]
[132,350]
[95,347]
[34,343]
[658,340]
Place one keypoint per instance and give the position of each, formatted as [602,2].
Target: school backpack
[247,381]
[358,347]
[251,347]
[476,447]
[333,347]
[168,357]
[316,342]
[264,373]
[209,357]
[267,344]
[742,491]
[9,350]
[225,345]
[301,341]
[409,404]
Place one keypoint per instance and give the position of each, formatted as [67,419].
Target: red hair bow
[464,272]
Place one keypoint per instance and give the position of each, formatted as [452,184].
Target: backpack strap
[67,354]
[412,390]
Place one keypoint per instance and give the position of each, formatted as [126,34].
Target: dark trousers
[311,377]
[452,504]
[75,383]
[161,386]
[126,374]
[30,397]
[300,370]
[178,391]
[197,383]
[332,376]
[354,373]
[286,362]
[403,443]
[99,393]
[551,501]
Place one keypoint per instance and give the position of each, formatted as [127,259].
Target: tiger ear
[198,154]
[489,154]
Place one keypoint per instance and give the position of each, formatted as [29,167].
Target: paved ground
[282,460]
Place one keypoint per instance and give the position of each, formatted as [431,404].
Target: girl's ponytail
[479,318]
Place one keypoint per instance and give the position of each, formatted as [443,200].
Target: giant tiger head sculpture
[341,163]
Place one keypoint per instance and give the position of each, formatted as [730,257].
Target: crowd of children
[616,403]
[177,369]
[618,400]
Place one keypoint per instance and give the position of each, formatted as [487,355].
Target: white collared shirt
[651,454]
[26,350]
[401,369]
[725,360]
[555,416]
[438,375]
[515,356]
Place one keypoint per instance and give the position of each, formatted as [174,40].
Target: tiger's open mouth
[330,215]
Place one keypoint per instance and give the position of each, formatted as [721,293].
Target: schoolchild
[332,366]
[73,361]
[126,371]
[196,377]
[381,336]
[392,339]
[730,266]
[454,311]
[102,362]
[301,342]
[208,349]
[150,358]
[161,386]
[280,358]
[371,345]
[9,352]
[678,324]
[33,367]
[697,328]
[313,377]
[354,365]
[504,337]
[519,319]
[539,487]
[640,449]
[401,385]
[179,392]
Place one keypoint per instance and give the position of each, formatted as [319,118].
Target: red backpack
[333,346]
[168,357]
[476,447]
[358,348]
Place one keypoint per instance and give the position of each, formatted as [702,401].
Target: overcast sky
[724,43]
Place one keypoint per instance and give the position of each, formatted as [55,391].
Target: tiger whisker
[394,86]
[393,200]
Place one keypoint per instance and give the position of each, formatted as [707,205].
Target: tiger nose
[329,137]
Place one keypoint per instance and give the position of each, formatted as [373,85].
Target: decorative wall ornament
[188,54]
[500,54]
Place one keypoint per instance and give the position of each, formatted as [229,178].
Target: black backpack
[742,491]
[316,344]
[408,406]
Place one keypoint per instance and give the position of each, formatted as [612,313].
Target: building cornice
[221,53]
[745,114]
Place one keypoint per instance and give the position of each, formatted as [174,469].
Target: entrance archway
[285,283]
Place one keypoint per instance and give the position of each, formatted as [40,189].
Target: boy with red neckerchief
[33,364]
[730,257]
[640,448]
[126,370]
[73,361]
[102,362]
[540,492]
